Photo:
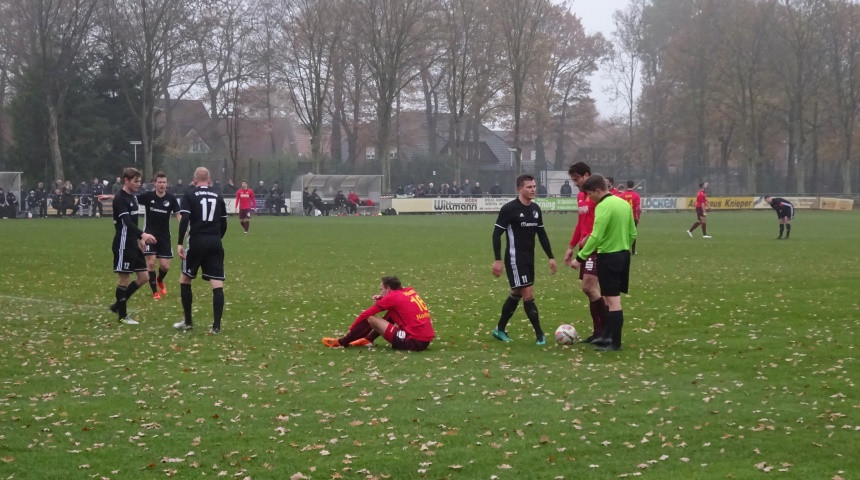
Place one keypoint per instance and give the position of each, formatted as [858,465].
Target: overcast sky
[596,16]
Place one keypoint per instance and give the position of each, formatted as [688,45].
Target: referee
[520,220]
[784,212]
[613,233]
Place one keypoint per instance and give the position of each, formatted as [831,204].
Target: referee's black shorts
[206,253]
[614,273]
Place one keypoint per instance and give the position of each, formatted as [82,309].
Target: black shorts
[785,211]
[520,274]
[161,248]
[128,260]
[700,211]
[400,340]
[207,253]
[614,273]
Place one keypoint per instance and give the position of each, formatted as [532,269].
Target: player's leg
[531,310]
[187,298]
[703,219]
[508,308]
[614,278]
[150,267]
[163,268]
[213,270]
[358,330]
[217,304]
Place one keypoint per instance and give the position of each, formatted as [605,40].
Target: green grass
[739,358]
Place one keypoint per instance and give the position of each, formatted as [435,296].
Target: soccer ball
[566,335]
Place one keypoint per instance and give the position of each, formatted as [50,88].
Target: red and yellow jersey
[701,200]
[405,308]
[245,199]
[635,201]
[585,221]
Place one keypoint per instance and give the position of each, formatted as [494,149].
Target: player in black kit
[127,251]
[784,212]
[159,207]
[204,211]
[520,219]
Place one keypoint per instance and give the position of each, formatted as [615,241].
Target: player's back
[206,210]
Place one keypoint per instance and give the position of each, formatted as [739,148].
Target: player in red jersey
[702,207]
[406,324]
[245,201]
[580,172]
[611,184]
[635,201]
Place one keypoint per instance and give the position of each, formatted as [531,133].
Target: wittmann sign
[448,205]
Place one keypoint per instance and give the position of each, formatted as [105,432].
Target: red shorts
[589,266]
[244,214]
[400,340]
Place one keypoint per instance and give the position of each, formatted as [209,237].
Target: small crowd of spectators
[454,189]
[344,204]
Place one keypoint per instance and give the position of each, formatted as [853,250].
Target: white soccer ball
[566,335]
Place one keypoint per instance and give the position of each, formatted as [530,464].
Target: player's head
[767,199]
[631,184]
[595,187]
[245,185]
[160,182]
[526,187]
[610,182]
[390,283]
[579,173]
[703,185]
[201,176]
[131,179]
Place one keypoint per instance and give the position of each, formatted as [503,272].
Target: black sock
[152,284]
[615,323]
[130,289]
[532,312]
[217,306]
[508,309]
[781,229]
[161,274]
[787,230]
[186,296]
[120,301]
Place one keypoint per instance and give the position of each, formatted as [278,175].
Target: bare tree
[311,30]
[842,39]
[350,102]
[57,33]
[394,32]
[522,25]
[625,62]
[154,36]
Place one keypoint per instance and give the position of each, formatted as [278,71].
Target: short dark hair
[392,282]
[159,174]
[631,184]
[594,182]
[702,184]
[522,179]
[579,168]
[130,173]
[610,181]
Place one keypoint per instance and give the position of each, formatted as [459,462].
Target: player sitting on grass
[406,324]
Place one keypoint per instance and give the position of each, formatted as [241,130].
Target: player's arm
[596,234]
[253,200]
[223,216]
[373,310]
[547,248]
[497,249]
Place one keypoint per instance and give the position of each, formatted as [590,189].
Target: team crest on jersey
[166,203]
[535,213]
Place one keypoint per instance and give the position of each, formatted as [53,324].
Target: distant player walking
[784,212]
[205,213]
[406,324]
[702,207]
[611,238]
[520,219]
[159,206]
[127,251]
[245,201]
[630,196]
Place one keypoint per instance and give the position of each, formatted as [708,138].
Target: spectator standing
[496,190]
[95,190]
[117,186]
[354,202]
[32,204]
[466,188]
[455,188]
[476,190]
[42,198]
[230,189]
[566,190]
[4,205]
[204,217]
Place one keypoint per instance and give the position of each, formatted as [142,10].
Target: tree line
[710,87]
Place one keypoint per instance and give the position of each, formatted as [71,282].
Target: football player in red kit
[245,201]
[406,324]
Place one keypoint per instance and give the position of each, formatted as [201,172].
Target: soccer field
[740,357]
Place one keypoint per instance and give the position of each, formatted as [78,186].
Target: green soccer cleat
[501,335]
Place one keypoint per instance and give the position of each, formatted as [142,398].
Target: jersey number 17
[208,208]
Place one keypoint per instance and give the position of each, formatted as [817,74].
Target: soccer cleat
[541,340]
[156,296]
[706,236]
[181,325]
[690,233]
[214,331]
[128,321]
[361,342]
[331,342]
[501,335]
[607,348]
[591,338]
[161,288]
